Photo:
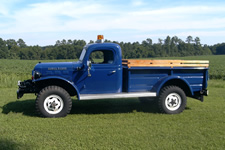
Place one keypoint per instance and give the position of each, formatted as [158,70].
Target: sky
[43,22]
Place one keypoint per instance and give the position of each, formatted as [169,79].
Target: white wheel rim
[53,104]
[173,101]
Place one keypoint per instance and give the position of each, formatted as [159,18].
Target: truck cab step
[117,95]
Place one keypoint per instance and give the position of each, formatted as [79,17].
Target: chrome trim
[117,95]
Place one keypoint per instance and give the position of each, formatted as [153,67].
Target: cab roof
[95,45]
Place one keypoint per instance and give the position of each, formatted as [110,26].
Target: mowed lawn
[111,124]
[114,124]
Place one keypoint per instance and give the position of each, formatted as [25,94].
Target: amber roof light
[100,37]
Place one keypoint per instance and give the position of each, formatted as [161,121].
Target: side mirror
[89,68]
[89,64]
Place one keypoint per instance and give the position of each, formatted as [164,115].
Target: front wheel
[53,101]
[172,100]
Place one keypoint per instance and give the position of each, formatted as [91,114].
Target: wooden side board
[165,63]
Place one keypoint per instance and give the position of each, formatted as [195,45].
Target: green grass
[114,124]
[110,124]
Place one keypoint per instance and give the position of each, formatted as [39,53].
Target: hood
[57,65]
[59,69]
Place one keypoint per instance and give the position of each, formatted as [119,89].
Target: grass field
[109,124]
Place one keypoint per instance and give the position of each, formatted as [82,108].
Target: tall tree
[69,42]
[57,43]
[174,46]
[167,43]
[197,41]
[160,41]
[149,41]
[21,43]
[189,39]
[10,43]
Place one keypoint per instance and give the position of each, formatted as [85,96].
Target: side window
[102,57]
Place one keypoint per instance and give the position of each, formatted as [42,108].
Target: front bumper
[25,87]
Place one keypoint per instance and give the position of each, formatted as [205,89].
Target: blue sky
[42,22]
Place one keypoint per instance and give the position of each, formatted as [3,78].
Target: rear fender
[161,83]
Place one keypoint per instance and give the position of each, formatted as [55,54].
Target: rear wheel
[172,100]
[53,101]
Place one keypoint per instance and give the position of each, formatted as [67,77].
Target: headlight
[37,75]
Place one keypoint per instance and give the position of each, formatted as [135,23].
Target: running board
[117,95]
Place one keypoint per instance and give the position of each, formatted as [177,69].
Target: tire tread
[57,88]
[163,92]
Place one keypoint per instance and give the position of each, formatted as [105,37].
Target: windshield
[82,54]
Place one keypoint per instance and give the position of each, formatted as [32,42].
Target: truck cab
[101,73]
[101,69]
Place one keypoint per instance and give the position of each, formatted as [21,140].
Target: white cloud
[137,3]
[189,17]
[4,7]
[3,10]
[49,17]
[92,16]
[183,10]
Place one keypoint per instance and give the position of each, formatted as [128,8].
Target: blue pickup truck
[168,82]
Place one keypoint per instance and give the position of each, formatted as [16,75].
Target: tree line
[71,49]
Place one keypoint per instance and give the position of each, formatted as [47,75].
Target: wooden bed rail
[165,63]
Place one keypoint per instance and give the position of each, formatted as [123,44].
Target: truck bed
[144,75]
[165,63]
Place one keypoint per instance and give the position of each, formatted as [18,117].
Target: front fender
[58,78]
[164,80]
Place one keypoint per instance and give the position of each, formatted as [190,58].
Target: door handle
[114,71]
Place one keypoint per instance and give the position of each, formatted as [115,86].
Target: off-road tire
[53,93]
[172,100]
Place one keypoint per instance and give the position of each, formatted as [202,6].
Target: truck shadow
[112,106]
[6,144]
[27,107]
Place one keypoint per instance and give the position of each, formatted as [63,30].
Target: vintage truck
[168,82]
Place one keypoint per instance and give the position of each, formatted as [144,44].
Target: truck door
[105,74]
